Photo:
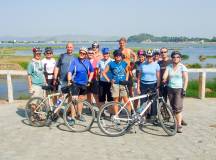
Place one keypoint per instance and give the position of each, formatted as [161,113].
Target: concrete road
[19,141]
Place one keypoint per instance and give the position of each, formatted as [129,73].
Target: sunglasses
[164,52]
[83,53]
[176,57]
[149,56]
[49,53]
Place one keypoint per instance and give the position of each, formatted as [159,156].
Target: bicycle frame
[131,99]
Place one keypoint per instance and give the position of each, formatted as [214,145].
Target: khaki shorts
[116,88]
[37,91]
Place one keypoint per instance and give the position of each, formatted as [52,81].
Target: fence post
[202,84]
[10,88]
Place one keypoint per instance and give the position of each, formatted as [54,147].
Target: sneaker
[71,121]
[82,118]
[54,117]
[183,123]
[179,129]
[116,121]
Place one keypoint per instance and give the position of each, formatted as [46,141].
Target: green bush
[194,65]
[184,57]
[24,65]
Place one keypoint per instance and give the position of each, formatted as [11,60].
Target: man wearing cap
[119,78]
[36,74]
[104,86]
[63,64]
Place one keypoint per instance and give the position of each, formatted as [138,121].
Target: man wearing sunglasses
[163,64]
[96,49]
[36,74]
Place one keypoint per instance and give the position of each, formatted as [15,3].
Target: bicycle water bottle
[58,102]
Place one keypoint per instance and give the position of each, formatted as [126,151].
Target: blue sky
[193,18]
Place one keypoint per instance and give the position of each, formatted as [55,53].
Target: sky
[192,18]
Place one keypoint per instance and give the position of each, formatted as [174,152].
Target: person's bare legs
[115,107]
[125,99]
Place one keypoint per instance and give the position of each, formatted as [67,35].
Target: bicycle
[121,122]
[41,111]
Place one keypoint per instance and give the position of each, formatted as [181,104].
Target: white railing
[202,80]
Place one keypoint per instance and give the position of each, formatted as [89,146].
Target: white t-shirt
[49,65]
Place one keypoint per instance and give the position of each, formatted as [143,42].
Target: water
[194,50]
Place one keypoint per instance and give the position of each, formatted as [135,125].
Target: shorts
[118,90]
[37,91]
[93,88]
[78,89]
[104,91]
[176,99]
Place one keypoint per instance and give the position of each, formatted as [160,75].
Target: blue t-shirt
[118,71]
[63,64]
[101,65]
[175,77]
[148,72]
[79,72]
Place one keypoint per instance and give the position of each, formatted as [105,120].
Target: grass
[193,88]
[23,96]
[210,56]
[194,65]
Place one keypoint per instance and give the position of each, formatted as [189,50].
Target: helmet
[156,52]
[36,50]
[176,53]
[90,50]
[83,49]
[149,52]
[141,52]
[48,49]
[117,53]
[95,45]
[105,50]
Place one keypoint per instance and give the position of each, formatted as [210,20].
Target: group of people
[101,76]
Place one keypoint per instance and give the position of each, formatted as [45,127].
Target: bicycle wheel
[36,111]
[167,118]
[83,119]
[113,124]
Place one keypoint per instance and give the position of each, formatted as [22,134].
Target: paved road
[19,141]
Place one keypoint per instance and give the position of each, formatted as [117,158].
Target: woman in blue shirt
[177,76]
[82,72]
[149,80]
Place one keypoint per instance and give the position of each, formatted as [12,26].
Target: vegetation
[24,65]
[144,37]
[184,57]
[193,88]
[23,96]
[194,65]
